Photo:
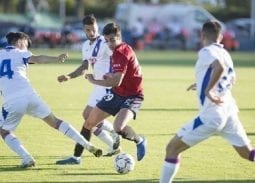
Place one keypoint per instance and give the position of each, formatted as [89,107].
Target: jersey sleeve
[27,54]
[120,63]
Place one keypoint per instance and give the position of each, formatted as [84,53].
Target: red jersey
[124,60]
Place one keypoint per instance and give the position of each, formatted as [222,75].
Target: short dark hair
[112,28]
[89,20]
[212,29]
[13,37]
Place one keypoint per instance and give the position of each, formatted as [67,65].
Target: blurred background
[146,24]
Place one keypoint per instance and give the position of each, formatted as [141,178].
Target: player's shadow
[17,168]
[216,181]
[156,180]
[184,109]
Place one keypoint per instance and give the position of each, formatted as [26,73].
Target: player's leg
[78,149]
[127,132]
[102,129]
[69,131]
[172,159]
[106,133]
[95,117]
[108,126]
[235,133]
[12,115]
[86,133]
[246,152]
[111,141]
[121,127]
[98,131]
[189,135]
[15,145]
[128,109]
[38,108]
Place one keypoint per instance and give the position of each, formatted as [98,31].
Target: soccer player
[218,112]
[19,98]
[96,53]
[126,96]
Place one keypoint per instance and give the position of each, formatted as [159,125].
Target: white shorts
[97,94]
[14,110]
[216,121]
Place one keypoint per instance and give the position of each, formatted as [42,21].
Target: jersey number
[227,81]
[5,69]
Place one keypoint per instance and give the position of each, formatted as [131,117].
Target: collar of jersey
[95,40]
[10,47]
[217,44]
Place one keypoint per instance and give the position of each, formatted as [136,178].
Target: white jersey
[206,56]
[98,54]
[215,119]
[13,77]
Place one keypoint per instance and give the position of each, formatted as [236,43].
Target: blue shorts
[112,103]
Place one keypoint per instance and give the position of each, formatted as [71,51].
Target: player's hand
[192,87]
[89,77]
[63,78]
[215,99]
[62,57]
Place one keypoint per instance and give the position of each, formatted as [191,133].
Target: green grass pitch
[166,108]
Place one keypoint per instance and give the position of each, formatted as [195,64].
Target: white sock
[140,140]
[106,138]
[77,158]
[168,172]
[107,125]
[15,145]
[72,133]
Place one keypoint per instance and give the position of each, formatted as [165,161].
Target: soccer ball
[124,163]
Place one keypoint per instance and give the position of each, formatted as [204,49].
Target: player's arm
[110,79]
[41,59]
[217,70]
[192,87]
[76,73]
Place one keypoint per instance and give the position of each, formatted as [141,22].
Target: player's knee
[172,149]
[118,129]
[88,125]
[96,131]
[120,132]
[123,134]
[85,115]
[3,133]
[169,148]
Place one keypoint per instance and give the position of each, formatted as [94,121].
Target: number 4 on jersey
[5,69]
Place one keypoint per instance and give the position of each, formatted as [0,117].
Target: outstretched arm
[192,87]
[41,59]
[110,79]
[76,73]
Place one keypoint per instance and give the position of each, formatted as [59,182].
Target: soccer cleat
[141,149]
[113,152]
[26,163]
[97,152]
[116,140]
[69,161]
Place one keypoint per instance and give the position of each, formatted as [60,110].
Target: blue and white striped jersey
[98,54]
[13,76]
